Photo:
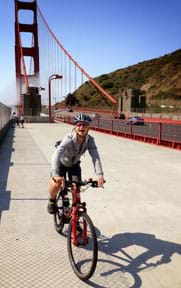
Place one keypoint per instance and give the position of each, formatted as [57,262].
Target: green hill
[158,79]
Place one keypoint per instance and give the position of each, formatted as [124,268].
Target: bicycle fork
[75,217]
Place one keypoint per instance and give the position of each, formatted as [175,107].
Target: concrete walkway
[137,215]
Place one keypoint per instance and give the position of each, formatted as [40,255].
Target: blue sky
[101,35]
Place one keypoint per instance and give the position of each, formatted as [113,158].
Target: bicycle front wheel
[58,216]
[83,256]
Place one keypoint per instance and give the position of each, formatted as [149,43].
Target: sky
[101,35]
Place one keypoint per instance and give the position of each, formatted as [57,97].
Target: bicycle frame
[77,206]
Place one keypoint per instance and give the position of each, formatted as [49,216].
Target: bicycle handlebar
[90,182]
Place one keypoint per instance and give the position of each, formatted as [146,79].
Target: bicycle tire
[83,258]
[58,216]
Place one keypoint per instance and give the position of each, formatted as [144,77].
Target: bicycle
[81,237]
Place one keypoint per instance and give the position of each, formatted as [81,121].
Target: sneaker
[51,206]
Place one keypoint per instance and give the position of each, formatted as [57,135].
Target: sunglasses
[82,124]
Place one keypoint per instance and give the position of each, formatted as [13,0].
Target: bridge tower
[27,84]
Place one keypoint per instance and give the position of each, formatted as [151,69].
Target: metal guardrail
[5,113]
[166,134]
[151,115]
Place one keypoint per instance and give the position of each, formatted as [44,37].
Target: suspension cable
[75,62]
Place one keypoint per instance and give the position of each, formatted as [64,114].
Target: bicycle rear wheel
[83,257]
[58,216]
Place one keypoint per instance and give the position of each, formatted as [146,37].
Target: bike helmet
[82,118]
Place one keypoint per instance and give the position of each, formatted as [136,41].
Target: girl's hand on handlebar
[60,181]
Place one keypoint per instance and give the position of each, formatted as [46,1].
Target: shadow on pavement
[6,149]
[154,252]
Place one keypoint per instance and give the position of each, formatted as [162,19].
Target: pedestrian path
[137,215]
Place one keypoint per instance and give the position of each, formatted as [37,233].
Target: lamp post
[52,77]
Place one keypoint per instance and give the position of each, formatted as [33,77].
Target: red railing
[159,133]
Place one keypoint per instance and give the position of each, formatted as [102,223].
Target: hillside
[158,79]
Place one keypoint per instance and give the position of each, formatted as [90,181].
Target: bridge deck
[137,215]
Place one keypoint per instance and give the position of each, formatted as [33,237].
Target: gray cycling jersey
[70,151]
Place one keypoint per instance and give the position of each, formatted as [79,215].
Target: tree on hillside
[71,100]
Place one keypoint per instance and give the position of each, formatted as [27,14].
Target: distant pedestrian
[13,119]
[17,121]
[22,120]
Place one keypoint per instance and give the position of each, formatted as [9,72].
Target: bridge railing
[5,113]
[166,134]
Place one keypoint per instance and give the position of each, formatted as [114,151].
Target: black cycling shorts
[73,173]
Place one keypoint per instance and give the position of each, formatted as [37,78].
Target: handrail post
[159,133]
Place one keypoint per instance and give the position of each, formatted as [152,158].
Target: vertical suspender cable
[107,95]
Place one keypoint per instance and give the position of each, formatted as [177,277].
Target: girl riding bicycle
[66,158]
